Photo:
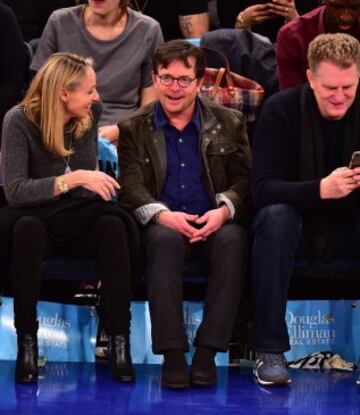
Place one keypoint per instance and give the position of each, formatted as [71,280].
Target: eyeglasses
[183,81]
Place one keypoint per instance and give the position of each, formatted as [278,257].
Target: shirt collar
[161,120]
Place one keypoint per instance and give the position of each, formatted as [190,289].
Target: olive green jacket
[225,155]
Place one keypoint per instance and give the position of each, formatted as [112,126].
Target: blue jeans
[276,233]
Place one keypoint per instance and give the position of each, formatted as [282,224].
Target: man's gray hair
[339,49]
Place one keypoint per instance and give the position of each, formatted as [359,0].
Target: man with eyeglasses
[185,173]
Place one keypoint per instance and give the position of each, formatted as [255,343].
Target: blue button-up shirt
[184,188]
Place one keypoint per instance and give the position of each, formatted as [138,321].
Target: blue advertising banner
[67,333]
[323,325]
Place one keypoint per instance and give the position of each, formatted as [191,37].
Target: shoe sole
[127,379]
[268,383]
[202,382]
[175,386]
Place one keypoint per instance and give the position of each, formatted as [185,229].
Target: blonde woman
[59,202]
[120,40]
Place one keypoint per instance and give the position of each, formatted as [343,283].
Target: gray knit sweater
[123,64]
[29,170]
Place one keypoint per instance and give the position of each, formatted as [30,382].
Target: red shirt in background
[292,44]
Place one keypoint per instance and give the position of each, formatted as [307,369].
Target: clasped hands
[187,224]
[340,183]
[259,13]
[283,8]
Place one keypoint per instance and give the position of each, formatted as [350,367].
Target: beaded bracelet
[156,217]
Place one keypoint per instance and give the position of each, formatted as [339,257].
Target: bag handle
[218,79]
[222,71]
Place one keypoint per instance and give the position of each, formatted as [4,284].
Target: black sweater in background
[12,62]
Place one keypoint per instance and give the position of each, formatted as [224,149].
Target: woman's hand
[95,181]
[253,16]
[284,8]
[110,132]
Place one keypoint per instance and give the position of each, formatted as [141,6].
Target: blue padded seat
[86,268]
[337,268]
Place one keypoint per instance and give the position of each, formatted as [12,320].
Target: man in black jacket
[185,167]
[302,189]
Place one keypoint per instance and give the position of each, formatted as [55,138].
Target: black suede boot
[175,374]
[121,367]
[27,359]
[203,370]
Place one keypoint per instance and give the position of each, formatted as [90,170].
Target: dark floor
[86,389]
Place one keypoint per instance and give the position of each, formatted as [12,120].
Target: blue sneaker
[270,369]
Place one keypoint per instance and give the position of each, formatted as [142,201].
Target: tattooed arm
[194,25]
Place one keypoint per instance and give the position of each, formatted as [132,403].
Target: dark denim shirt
[184,188]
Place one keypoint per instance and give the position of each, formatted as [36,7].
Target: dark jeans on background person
[226,254]
[105,240]
[277,236]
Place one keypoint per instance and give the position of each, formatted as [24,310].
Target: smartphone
[355,160]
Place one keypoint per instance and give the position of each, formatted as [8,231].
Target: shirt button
[147,160]
[222,150]
[213,132]
[180,140]
[182,164]
[218,126]
[183,186]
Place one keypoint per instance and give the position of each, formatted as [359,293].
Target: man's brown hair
[180,50]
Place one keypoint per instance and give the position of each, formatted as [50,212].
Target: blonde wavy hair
[43,105]
[339,49]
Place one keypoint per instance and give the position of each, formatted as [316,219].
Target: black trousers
[226,254]
[105,238]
